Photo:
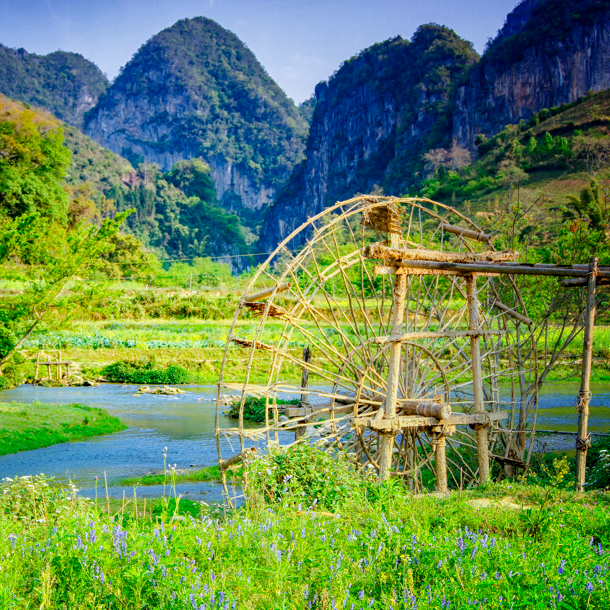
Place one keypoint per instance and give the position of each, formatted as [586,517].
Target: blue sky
[300,42]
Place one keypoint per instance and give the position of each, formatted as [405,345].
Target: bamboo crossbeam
[437,335]
[263,294]
[462,232]
[511,312]
[507,268]
[381,251]
[582,281]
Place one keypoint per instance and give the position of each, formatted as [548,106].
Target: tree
[33,161]
[594,153]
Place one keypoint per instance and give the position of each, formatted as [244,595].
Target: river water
[186,427]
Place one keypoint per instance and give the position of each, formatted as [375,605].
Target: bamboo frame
[386,343]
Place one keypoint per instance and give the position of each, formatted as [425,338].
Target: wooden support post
[298,433]
[441,463]
[58,366]
[477,376]
[583,440]
[389,404]
[37,365]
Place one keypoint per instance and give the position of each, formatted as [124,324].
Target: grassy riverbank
[320,540]
[31,426]
[195,475]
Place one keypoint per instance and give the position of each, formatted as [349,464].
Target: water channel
[186,427]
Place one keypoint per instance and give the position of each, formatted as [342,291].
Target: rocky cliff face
[371,122]
[66,84]
[194,90]
[530,67]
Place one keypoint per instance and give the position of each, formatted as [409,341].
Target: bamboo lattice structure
[418,345]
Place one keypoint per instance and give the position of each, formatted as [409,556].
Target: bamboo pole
[477,376]
[440,464]
[508,268]
[461,231]
[263,294]
[583,440]
[298,433]
[389,405]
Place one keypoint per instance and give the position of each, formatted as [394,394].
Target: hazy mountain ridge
[371,122]
[549,52]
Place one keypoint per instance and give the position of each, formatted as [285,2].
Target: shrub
[129,372]
[254,408]
[302,474]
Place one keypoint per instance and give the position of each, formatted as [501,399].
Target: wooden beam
[415,421]
[511,312]
[383,252]
[462,232]
[437,335]
[502,268]
[263,294]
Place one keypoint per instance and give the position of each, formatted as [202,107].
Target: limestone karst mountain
[195,90]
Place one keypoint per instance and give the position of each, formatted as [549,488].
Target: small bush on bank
[144,373]
[303,475]
[254,408]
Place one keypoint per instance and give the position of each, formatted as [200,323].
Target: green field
[31,426]
[308,538]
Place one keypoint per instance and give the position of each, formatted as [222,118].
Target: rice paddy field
[198,346]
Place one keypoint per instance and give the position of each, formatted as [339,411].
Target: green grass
[202,475]
[503,546]
[31,426]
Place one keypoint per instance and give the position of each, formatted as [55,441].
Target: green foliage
[57,82]
[378,550]
[145,373]
[32,163]
[177,506]
[302,475]
[254,408]
[550,21]
[598,463]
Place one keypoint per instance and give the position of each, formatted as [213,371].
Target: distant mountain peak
[64,83]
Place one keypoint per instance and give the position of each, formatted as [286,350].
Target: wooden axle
[405,406]
[398,423]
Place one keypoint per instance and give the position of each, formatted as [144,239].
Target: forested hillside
[65,84]
[195,90]
[176,213]
[372,121]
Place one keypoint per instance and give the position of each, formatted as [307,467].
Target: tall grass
[368,547]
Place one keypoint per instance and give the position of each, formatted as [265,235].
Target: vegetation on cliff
[548,20]
[234,110]
[65,84]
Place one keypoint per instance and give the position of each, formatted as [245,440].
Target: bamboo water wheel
[356,341]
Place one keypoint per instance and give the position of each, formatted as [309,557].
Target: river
[186,427]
